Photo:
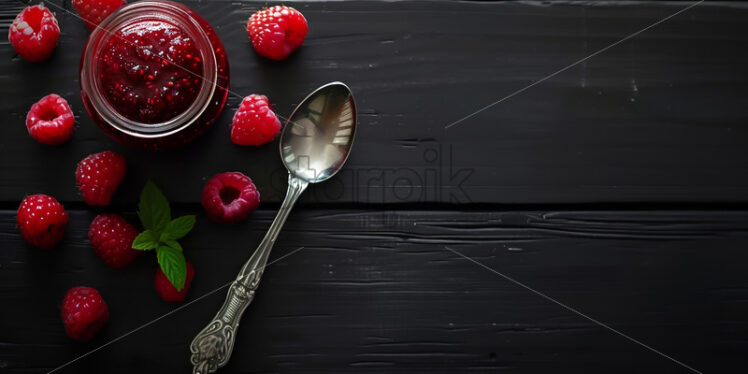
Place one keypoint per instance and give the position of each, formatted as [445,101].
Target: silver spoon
[314,145]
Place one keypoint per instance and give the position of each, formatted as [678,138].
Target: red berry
[230,197]
[84,313]
[254,122]
[112,236]
[42,220]
[50,120]
[34,33]
[277,31]
[99,175]
[94,11]
[167,290]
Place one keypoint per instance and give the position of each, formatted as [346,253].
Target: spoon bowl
[319,134]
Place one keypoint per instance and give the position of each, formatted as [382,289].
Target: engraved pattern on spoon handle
[212,347]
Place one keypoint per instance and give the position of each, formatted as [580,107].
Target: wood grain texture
[375,291]
[660,117]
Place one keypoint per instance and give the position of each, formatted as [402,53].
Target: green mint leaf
[174,245]
[173,264]
[145,240]
[153,208]
[178,228]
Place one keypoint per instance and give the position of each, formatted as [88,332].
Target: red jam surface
[150,71]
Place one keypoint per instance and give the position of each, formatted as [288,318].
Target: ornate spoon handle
[212,347]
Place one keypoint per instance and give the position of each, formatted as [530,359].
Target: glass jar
[154,75]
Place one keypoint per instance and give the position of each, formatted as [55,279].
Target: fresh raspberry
[42,220]
[167,290]
[230,197]
[50,120]
[84,313]
[34,33]
[112,236]
[99,175]
[277,31]
[254,122]
[94,11]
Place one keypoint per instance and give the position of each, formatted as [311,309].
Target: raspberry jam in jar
[154,75]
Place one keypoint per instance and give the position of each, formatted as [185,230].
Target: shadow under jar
[154,75]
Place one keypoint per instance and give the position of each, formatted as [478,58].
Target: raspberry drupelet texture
[34,33]
[42,221]
[277,31]
[50,120]
[84,312]
[111,237]
[167,291]
[99,175]
[230,197]
[254,122]
[94,11]
[150,71]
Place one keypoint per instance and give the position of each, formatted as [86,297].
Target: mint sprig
[161,233]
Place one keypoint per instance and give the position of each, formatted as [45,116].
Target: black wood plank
[660,117]
[375,291]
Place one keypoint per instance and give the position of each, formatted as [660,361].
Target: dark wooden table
[618,188]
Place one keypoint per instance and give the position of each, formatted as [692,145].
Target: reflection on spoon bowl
[318,136]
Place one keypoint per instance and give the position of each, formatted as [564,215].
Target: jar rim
[149,10]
